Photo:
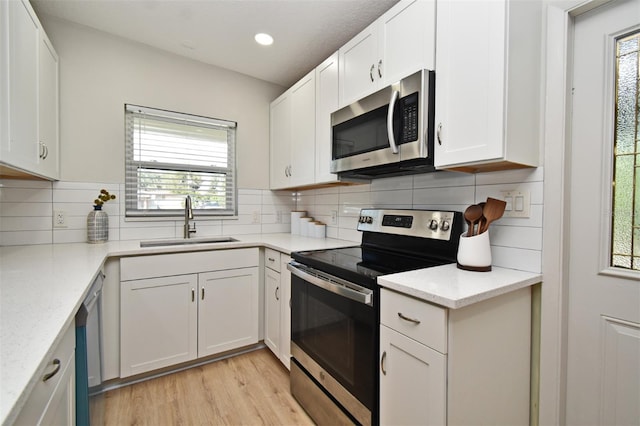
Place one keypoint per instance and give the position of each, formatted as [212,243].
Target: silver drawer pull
[47,376]
[384,356]
[413,320]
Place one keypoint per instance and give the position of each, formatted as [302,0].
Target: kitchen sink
[185,241]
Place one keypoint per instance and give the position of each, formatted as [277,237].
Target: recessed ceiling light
[264,39]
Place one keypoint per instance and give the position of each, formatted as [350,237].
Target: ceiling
[220,32]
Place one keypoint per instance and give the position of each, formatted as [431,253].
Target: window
[625,251]
[170,155]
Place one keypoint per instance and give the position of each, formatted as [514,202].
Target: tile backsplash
[27,210]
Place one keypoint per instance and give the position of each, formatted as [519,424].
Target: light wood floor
[248,389]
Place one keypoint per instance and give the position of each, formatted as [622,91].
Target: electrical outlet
[59,219]
[256,216]
[334,217]
[278,216]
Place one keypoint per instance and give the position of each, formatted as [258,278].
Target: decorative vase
[97,226]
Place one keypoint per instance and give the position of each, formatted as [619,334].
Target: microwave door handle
[392,105]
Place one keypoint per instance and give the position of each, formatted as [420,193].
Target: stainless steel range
[335,313]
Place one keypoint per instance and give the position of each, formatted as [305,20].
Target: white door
[603,365]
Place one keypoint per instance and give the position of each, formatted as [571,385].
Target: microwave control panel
[410,123]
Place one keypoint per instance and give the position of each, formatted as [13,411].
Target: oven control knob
[368,219]
[445,225]
[433,225]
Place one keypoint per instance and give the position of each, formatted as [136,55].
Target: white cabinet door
[399,43]
[407,40]
[285,312]
[158,325]
[413,384]
[272,296]
[487,98]
[61,409]
[292,135]
[48,160]
[20,149]
[358,66]
[4,79]
[280,139]
[228,310]
[303,131]
[52,401]
[326,103]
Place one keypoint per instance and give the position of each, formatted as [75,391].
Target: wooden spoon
[493,210]
[483,220]
[472,214]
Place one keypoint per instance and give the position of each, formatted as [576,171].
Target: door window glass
[625,251]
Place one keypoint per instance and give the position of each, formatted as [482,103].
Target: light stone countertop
[455,288]
[42,287]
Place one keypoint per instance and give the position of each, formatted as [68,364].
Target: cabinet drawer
[272,259]
[414,318]
[44,391]
[164,265]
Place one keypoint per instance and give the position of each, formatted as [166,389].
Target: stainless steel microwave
[388,133]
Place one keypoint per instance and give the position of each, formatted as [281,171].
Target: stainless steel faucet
[188,214]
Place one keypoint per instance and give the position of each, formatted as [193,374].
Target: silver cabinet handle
[392,104]
[47,376]
[373,67]
[193,295]
[439,133]
[46,151]
[276,293]
[380,68]
[382,359]
[271,259]
[202,296]
[413,320]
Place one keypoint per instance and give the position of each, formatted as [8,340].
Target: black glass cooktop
[362,265]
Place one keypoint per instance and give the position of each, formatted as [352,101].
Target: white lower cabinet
[176,318]
[412,381]
[159,323]
[277,310]
[52,401]
[227,310]
[455,366]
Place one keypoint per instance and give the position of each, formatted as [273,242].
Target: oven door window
[339,334]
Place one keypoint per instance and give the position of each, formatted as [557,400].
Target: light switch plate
[519,203]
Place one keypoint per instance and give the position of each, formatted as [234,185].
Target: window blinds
[170,155]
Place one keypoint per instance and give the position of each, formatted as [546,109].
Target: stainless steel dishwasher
[88,358]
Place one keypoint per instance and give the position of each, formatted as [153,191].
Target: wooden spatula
[492,210]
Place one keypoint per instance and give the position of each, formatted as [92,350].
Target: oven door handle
[333,284]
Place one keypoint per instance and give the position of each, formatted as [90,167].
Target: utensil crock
[474,253]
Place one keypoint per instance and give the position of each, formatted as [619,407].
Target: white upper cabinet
[280,139]
[48,142]
[487,85]
[399,43]
[292,135]
[29,79]
[303,131]
[326,103]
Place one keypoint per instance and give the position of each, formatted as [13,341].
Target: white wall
[99,73]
